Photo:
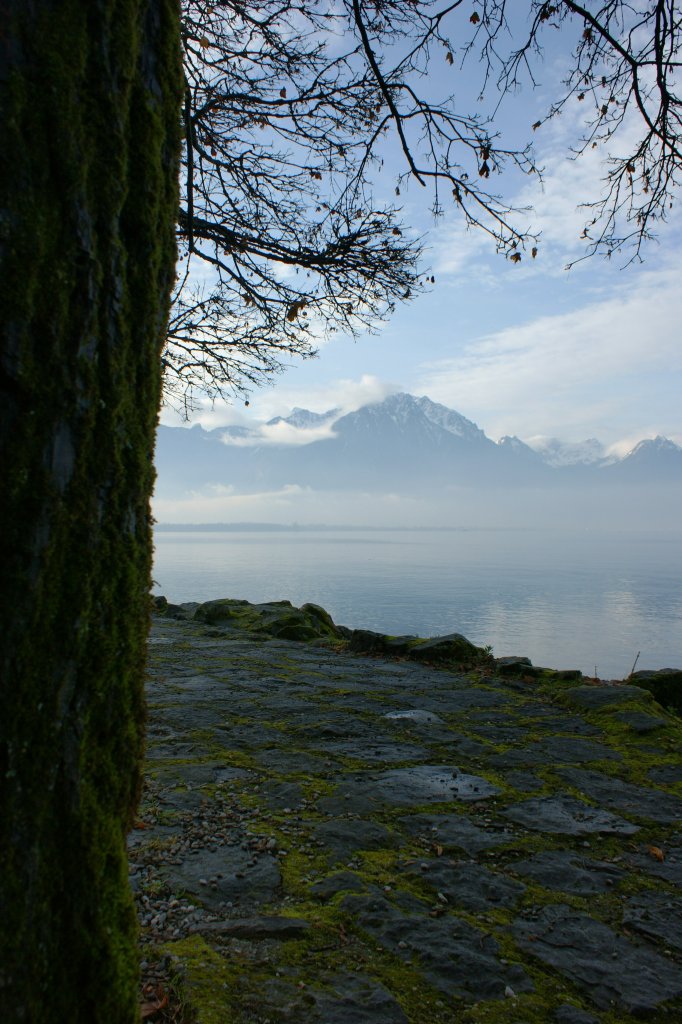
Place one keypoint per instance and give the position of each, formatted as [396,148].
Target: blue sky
[527,349]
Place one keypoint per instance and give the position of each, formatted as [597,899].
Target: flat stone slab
[467,886]
[340,881]
[452,831]
[357,998]
[346,838]
[647,862]
[256,929]
[640,722]
[406,787]
[415,716]
[600,698]
[608,968]
[377,752]
[555,750]
[226,875]
[619,795]
[524,781]
[456,958]
[657,915]
[565,815]
[567,871]
[568,1014]
[666,773]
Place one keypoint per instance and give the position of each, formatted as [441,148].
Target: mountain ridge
[403,443]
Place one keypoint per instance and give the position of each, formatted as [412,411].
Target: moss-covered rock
[275,618]
[665,685]
[453,649]
[310,622]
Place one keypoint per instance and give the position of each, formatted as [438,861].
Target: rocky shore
[346,828]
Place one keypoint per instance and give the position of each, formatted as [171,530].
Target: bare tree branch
[288,116]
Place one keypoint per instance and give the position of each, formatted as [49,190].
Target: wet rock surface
[343,838]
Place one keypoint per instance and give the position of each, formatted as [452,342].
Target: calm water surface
[566,600]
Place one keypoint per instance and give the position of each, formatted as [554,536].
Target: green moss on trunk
[88,169]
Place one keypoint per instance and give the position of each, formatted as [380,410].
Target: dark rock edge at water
[312,624]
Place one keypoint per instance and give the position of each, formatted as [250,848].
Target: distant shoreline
[323,528]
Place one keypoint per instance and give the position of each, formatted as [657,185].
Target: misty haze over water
[587,599]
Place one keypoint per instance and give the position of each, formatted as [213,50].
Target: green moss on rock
[665,685]
[275,618]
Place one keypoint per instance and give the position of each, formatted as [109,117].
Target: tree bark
[90,93]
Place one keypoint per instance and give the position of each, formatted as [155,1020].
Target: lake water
[582,600]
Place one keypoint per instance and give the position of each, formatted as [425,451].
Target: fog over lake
[587,599]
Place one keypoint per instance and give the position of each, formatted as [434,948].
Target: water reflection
[568,601]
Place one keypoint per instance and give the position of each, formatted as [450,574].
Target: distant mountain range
[404,444]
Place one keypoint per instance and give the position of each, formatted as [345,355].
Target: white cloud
[282,433]
[344,394]
[599,370]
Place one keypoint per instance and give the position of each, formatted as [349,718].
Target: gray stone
[375,752]
[527,782]
[228,874]
[612,792]
[428,783]
[545,720]
[450,648]
[256,928]
[609,969]
[229,774]
[329,724]
[415,715]
[601,697]
[568,1014]
[284,760]
[345,838]
[456,958]
[669,869]
[468,886]
[564,815]
[512,665]
[358,999]
[656,915]
[453,830]
[666,773]
[422,784]
[341,881]
[567,871]
[640,722]
[555,750]
[279,795]
[205,774]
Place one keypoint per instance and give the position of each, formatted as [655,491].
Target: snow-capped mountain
[304,419]
[560,453]
[658,458]
[402,445]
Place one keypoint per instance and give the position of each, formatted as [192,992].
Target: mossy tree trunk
[90,94]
